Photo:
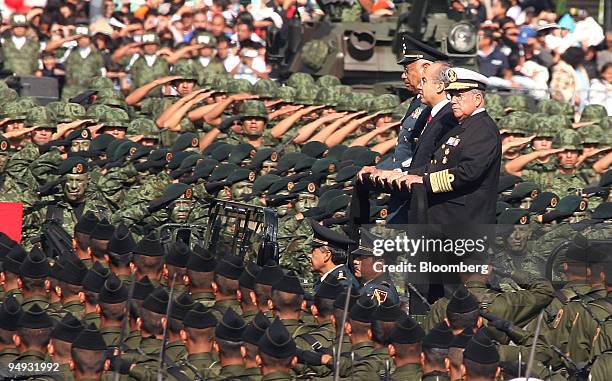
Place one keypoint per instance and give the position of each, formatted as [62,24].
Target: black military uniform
[462,178]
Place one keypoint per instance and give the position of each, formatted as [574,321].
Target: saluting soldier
[19,52]
[82,64]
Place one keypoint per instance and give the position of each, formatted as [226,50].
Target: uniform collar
[436,109]
[329,272]
[478,111]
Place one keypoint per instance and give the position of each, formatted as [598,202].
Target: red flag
[11,215]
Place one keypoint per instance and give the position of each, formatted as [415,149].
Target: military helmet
[19,19]
[265,88]
[253,108]
[300,79]
[40,117]
[400,111]
[494,100]
[343,89]
[593,113]
[186,70]
[99,83]
[115,117]
[96,111]
[55,107]
[287,94]
[28,102]
[305,95]
[496,111]
[543,106]
[145,127]
[110,97]
[560,108]
[535,122]
[150,38]
[348,102]
[8,95]
[238,86]
[384,104]
[328,80]
[364,100]
[206,39]
[327,96]
[71,112]
[14,111]
[516,102]
[568,139]
[592,134]
[545,128]
[560,121]
[514,123]
[217,82]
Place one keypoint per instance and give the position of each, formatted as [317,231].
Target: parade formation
[186,215]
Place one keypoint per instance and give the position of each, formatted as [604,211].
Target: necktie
[429,118]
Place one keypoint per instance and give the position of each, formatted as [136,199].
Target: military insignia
[311,187]
[169,157]
[253,153]
[188,193]
[331,168]
[377,159]
[452,76]
[79,168]
[523,220]
[558,319]
[252,176]
[446,151]
[383,213]
[554,201]
[274,156]
[195,142]
[133,150]
[380,295]
[583,205]
[85,134]
[453,141]
[19,19]
[444,160]
[204,40]
[416,113]
[341,275]
[534,193]
[290,185]
[4,145]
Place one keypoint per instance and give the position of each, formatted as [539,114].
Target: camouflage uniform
[80,71]
[24,60]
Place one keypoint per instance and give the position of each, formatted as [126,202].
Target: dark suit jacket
[462,177]
[429,140]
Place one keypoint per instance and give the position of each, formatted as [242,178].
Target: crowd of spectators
[529,46]
[524,45]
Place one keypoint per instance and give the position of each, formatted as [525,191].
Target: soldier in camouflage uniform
[148,66]
[82,64]
[20,52]
[567,177]
[145,129]
[206,61]
[198,332]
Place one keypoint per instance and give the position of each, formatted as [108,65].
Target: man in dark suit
[417,57]
[462,177]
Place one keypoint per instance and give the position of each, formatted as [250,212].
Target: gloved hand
[522,278]
[227,123]
[50,187]
[120,365]
[309,357]
[157,204]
